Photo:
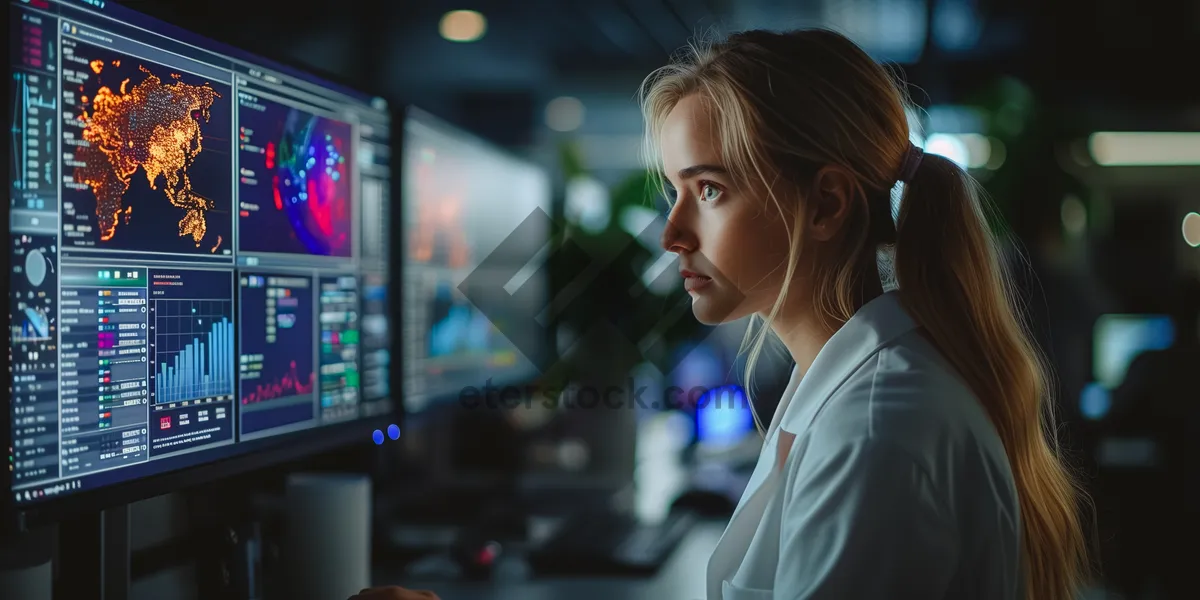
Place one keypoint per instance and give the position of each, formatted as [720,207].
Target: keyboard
[608,543]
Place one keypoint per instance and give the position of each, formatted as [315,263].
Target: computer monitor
[1117,340]
[706,386]
[463,197]
[1120,338]
[199,273]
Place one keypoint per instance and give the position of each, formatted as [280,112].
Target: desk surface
[682,578]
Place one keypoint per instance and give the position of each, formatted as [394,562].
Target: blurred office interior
[1077,117]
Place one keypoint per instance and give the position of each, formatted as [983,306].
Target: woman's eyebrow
[694,170]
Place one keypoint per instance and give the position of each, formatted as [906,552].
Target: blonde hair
[786,104]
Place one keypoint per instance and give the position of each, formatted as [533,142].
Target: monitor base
[227,541]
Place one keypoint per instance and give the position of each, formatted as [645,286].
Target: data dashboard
[199,247]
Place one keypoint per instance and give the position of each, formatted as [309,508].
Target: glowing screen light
[723,416]
[1095,401]
[1119,339]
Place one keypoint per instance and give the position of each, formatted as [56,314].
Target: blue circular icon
[393,432]
[377,436]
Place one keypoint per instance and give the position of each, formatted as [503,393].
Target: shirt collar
[876,324]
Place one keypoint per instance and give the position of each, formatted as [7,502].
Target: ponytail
[954,284]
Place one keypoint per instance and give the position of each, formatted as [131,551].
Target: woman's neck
[804,333]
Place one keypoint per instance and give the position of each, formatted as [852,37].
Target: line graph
[289,384]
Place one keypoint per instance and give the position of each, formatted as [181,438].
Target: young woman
[912,455]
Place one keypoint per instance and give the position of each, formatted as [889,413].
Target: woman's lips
[694,282]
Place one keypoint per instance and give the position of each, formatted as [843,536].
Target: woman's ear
[829,202]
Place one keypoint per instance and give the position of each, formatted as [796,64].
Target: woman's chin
[710,311]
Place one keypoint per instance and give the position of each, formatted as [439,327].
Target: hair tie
[912,161]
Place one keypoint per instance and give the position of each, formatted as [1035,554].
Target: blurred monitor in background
[1145,444]
[1118,339]
[463,199]
[708,387]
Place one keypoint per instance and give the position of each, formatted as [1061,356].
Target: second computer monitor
[475,218]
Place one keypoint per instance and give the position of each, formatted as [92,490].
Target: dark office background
[1034,79]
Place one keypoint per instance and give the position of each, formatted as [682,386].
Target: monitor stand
[227,542]
[105,535]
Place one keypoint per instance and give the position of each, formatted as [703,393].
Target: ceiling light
[462,26]
[564,114]
[1191,230]
[1130,148]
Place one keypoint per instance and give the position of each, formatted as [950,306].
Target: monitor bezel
[254,454]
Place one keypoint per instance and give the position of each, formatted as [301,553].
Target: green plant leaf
[635,190]
[570,158]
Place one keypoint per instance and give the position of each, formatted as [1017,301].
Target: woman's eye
[709,193]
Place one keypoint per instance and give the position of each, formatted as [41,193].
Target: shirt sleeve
[863,521]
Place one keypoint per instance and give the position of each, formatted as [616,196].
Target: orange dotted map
[154,126]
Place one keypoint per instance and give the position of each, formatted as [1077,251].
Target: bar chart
[195,346]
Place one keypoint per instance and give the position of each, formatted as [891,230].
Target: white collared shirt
[896,484]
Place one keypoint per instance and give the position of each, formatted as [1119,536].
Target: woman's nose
[676,237]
